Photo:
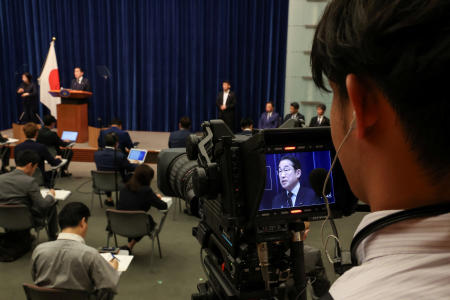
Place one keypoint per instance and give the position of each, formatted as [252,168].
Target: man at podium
[80,82]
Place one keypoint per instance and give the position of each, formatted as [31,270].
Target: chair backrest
[129,223]
[15,217]
[161,222]
[105,180]
[52,150]
[34,292]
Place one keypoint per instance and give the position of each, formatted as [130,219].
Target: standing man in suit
[20,187]
[125,143]
[294,195]
[320,119]
[177,139]
[80,82]
[51,140]
[295,114]
[269,119]
[30,129]
[226,103]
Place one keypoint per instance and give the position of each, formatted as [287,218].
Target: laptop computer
[137,155]
[69,136]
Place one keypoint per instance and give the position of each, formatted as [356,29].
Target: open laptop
[137,155]
[69,136]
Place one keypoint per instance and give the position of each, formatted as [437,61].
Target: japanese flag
[49,80]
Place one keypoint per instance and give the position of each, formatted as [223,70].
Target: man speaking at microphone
[387,65]
[80,82]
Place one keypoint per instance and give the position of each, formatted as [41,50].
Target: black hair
[295,105]
[227,81]
[25,157]
[117,122]
[246,122]
[28,76]
[72,214]
[142,176]
[111,139]
[185,122]
[322,106]
[403,47]
[295,162]
[80,68]
[49,119]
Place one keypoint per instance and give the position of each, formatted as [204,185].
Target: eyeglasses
[286,170]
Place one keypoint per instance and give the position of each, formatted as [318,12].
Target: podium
[73,112]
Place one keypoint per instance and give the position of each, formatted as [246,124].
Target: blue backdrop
[167,57]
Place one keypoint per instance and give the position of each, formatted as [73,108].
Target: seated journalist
[138,195]
[387,65]
[68,263]
[20,187]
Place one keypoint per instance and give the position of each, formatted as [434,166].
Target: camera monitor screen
[137,155]
[69,136]
[288,180]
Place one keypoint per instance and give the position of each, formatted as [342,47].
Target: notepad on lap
[124,260]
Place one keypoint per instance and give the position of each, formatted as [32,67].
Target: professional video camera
[252,225]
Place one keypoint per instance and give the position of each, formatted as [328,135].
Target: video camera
[255,194]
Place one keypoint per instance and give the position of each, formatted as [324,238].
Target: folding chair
[102,182]
[134,224]
[34,292]
[18,217]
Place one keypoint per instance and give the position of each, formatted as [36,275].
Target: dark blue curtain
[167,58]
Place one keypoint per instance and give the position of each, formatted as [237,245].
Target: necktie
[289,200]
[268,116]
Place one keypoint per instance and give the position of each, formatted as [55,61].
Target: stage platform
[151,141]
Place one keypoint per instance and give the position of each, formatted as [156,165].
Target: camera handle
[298,259]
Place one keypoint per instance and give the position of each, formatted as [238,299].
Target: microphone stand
[116,184]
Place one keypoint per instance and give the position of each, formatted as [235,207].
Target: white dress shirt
[406,260]
[319,120]
[80,79]
[225,97]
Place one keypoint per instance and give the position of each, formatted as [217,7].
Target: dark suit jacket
[227,115]
[298,116]
[83,86]
[41,150]
[124,138]
[325,122]
[305,197]
[272,122]
[177,139]
[51,139]
[105,161]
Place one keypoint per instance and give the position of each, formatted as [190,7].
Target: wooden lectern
[73,112]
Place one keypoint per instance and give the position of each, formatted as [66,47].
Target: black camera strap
[418,212]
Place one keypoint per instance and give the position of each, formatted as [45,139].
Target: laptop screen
[69,136]
[137,154]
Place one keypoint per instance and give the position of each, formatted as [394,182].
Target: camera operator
[387,64]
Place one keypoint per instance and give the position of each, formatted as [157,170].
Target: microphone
[317,179]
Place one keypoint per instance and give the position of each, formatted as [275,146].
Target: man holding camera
[387,64]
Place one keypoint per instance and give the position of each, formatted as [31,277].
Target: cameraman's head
[387,64]
[289,172]
[111,140]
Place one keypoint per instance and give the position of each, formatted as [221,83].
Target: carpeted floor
[175,276]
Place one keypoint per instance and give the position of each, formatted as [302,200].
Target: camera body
[249,219]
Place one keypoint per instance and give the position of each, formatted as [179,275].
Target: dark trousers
[67,154]
[29,111]
[5,153]
[50,218]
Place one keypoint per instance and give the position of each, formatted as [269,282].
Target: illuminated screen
[69,136]
[136,154]
[287,181]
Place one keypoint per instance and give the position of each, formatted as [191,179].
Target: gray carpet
[175,276]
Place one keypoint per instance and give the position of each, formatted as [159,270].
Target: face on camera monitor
[287,180]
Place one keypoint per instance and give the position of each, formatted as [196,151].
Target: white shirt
[319,119]
[71,236]
[406,260]
[294,192]
[225,97]
[269,115]
[80,79]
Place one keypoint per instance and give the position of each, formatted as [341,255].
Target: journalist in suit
[80,82]
[320,119]
[20,187]
[30,129]
[226,103]
[294,194]
[269,119]
[125,143]
[295,114]
[177,139]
